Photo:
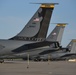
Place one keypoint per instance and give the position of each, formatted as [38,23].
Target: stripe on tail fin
[36,28]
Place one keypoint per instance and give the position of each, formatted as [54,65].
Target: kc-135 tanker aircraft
[33,34]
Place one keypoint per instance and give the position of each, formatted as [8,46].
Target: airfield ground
[38,68]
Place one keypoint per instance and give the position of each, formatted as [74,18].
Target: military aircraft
[55,35]
[72,51]
[69,52]
[32,34]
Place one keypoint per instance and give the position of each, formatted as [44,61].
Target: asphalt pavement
[38,68]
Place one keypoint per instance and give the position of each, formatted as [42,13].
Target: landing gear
[1,60]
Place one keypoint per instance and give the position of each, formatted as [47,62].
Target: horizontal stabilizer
[46,3]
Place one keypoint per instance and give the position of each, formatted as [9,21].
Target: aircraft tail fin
[56,34]
[36,28]
[72,46]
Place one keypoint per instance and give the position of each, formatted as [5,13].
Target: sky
[14,15]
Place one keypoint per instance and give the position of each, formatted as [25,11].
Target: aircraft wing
[27,47]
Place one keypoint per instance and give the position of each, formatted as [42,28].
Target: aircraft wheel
[1,61]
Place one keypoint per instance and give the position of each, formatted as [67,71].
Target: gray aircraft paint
[56,34]
[69,55]
[72,46]
[8,46]
[59,29]
[32,27]
[66,54]
[34,52]
[36,28]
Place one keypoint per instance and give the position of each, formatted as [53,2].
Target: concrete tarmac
[38,68]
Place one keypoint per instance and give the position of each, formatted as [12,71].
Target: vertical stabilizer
[72,46]
[36,28]
[57,33]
